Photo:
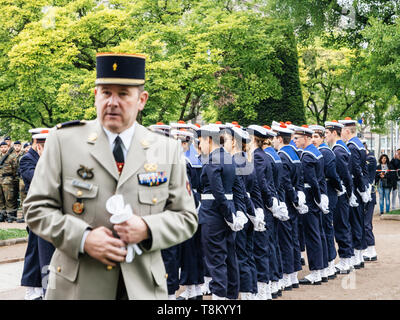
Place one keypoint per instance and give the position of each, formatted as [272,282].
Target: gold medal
[78,207]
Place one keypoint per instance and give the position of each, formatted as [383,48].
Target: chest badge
[78,207]
[85,173]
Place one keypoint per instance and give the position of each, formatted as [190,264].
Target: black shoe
[324,279]
[180,298]
[333,276]
[199,298]
[362,264]
[274,295]
[308,282]
[357,266]
[295,285]
[194,298]
[289,288]
[279,293]
[22,220]
[373,258]
[366,258]
[303,263]
[2,218]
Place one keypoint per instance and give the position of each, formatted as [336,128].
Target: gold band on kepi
[120,68]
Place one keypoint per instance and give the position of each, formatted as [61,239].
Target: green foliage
[12,233]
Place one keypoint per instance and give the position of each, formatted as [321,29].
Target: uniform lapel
[101,150]
[136,156]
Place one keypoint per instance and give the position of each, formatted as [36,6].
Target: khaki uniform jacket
[168,209]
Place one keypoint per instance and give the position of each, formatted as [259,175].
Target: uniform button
[109,268]
[79,193]
[166,276]
[58,269]
[154,200]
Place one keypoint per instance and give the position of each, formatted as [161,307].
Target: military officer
[27,146]
[362,189]
[334,188]
[341,223]
[19,152]
[84,164]
[8,172]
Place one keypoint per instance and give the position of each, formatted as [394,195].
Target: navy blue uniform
[219,183]
[313,169]
[244,237]
[358,169]
[38,252]
[265,179]
[341,222]
[299,187]
[288,230]
[369,211]
[333,185]
[192,262]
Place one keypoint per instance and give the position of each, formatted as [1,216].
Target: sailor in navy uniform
[369,254]
[334,189]
[299,189]
[288,230]
[313,168]
[171,255]
[221,216]
[235,142]
[362,189]
[278,260]
[263,167]
[341,211]
[191,255]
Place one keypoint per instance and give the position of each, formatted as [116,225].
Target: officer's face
[3,149]
[299,140]
[17,147]
[316,139]
[118,106]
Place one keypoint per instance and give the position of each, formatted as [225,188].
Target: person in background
[384,180]
[395,162]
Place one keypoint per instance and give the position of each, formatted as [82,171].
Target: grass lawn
[394,212]
[12,234]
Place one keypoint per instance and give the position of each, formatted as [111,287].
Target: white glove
[119,214]
[302,198]
[324,204]
[364,195]
[302,209]
[369,191]
[284,213]
[258,220]
[241,217]
[353,200]
[236,224]
[275,204]
[343,191]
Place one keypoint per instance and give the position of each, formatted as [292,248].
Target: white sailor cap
[334,124]
[181,124]
[238,133]
[282,130]
[37,130]
[303,130]
[257,131]
[159,125]
[268,132]
[182,135]
[317,129]
[42,136]
[348,122]
[233,124]
[209,130]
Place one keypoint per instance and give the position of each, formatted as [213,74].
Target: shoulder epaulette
[70,124]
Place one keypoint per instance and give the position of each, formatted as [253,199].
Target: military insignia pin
[78,207]
[85,173]
[92,137]
[152,178]
[150,167]
[115,66]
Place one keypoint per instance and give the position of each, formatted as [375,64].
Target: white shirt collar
[126,136]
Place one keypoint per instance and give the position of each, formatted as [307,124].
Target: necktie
[118,154]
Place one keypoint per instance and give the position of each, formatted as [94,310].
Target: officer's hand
[100,244]
[133,230]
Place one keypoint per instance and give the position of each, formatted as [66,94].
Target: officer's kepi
[42,136]
[120,68]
